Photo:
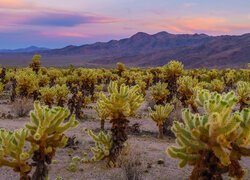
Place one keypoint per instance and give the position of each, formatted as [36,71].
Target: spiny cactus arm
[102,147]
[161,113]
[46,122]
[243,92]
[12,153]
[181,153]
[222,155]
[243,140]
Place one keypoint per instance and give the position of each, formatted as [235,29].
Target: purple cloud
[65,19]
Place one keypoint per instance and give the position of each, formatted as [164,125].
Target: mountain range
[143,50]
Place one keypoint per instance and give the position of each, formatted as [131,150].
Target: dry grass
[130,162]
[22,107]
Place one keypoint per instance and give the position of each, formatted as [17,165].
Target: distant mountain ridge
[24,50]
[144,50]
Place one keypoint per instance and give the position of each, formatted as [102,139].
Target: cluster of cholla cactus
[44,133]
[75,103]
[160,115]
[217,85]
[159,92]
[48,95]
[243,92]
[35,64]
[172,71]
[62,93]
[187,87]
[26,83]
[213,142]
[120,103]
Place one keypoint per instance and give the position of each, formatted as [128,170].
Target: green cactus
[102,114]
[217,85]
[103,144]
[12,153]
[187,87]
[120,103]
[160,115]
[159,92]
[243,92]
[36,64]
[46,134]
[206,141]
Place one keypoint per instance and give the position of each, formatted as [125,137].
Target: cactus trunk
[41,172]
[208,167]
[102,124]
[119,137]
[160,126]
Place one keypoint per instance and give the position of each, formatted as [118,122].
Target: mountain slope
[24,50]
[141,49]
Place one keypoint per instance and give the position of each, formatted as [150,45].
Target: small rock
[3,115]
[146,171]
[81,169]
[149,165]
[160,161]
[9,116]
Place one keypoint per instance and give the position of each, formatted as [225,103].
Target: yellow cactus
[46,133]
[36,64]
[208,140]
[48,95]
[121,103]
[12,151]
[103,144]
[217,85]
[26,82]
[187,90]
[61,93]
[243,92]
[160,115]
[159,92]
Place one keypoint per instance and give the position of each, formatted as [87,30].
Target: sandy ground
[145,146]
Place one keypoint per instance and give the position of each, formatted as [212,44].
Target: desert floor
[144,148]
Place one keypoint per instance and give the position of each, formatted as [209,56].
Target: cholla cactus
[12,153]
[26,83]
[230,78]
[102,114]
[121,103]
[62,93]
[120,68]
[217,85]
[172,71]
[103,144]
[159,92]
[160,115]
[46,133]
[36,64]
[187,87]
[207,141]
[48,95]
[243,92]
[1,87]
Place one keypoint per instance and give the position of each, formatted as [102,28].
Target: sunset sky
[58,23]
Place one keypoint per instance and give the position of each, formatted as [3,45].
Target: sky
[58,23]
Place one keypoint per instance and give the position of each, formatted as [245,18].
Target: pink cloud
[212,25]
[15,4]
